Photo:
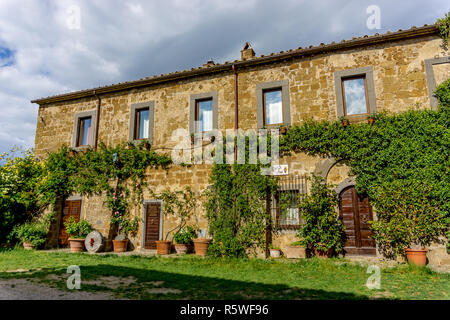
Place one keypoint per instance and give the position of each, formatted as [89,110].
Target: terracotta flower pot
[76,245]
[283,130]
[294,252]
[163,247]
[323,254]
[181,248]
[201,246]
[275,253]
[120,245]
[28,245]
[417,257]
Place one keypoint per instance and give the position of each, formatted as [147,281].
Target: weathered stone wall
[400,84]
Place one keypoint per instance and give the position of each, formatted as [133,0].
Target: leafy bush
[77,230]
[185,235]
[20,173]
[33,232]
[180,204]
[322,230]
[442,93]
[236,209]
[404,224]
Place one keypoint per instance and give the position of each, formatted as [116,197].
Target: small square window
[204,115]
[273,107]
[142,119]
[84,132]
[354,92]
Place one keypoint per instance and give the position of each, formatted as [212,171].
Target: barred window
[285,204]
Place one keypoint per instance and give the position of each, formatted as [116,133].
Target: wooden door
[356,212]
[152,221]
[71,208]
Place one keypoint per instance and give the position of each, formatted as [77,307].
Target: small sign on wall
[280,170]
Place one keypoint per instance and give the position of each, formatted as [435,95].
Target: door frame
[144,221]
[347,183]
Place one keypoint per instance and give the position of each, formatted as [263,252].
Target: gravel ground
[22,289]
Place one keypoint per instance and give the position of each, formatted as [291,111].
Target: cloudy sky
[46,50]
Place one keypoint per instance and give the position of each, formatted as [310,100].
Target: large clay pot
[201,246]
[120,245]
[323,254]
[163,247]
[294,252]
[76,245]
[181,248]
[28,245]
[417,257]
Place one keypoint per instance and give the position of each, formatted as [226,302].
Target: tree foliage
[322,230]
[410,148]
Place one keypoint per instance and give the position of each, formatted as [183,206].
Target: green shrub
[404,224]
[442,93]
[185,235]
[33,232]
[322,230]
[77,230]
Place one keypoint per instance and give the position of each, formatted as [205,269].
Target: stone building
[355,78]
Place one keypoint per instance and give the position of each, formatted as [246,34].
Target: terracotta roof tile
[272,57]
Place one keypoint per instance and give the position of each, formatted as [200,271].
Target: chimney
[210,63]
[247,53]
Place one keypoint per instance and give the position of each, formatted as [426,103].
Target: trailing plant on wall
[117,172]
[180,204]
[236,209]
[444,29]
[411,147]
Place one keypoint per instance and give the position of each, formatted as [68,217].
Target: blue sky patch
[6,57]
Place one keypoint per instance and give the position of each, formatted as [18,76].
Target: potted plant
[295,250]
[407,220]
[183,239]
[77,232]
[322,231]
[179,204]
[32,234]
[201,245]
[124,224]
[275,252]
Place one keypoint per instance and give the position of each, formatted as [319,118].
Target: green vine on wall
[118,172]
[406,151]
[444,29]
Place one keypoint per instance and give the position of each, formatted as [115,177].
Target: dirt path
[22,289]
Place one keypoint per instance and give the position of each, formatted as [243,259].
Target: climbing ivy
[409,150]
[444,29]
[118,172]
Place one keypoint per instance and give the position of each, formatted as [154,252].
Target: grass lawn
[191,277]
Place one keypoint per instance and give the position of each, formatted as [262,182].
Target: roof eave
[358,42]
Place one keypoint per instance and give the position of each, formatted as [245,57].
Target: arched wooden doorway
[355,212]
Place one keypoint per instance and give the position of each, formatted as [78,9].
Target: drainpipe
[236,107]
[97,119]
